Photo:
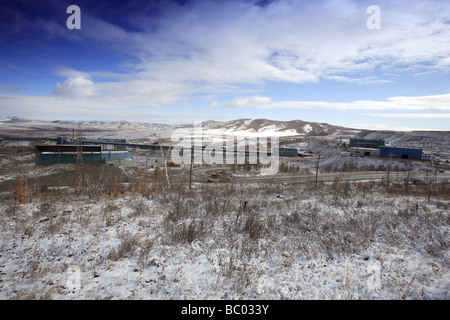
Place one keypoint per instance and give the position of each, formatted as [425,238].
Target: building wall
[287,152]
[404,153]
[366,151]
[115,155]
[46,158]
[120,162]
[55,158]
[362,143]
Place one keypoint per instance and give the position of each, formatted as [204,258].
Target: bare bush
[127,247]
[11,210]
[20,193]
[145,248]
[254,226]
[184,232]
[93,181]
[139,208]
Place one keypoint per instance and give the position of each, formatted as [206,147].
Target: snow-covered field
[228,242]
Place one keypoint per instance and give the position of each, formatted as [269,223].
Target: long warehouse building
[403,153]
[55,154]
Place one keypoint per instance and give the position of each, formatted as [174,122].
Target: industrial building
[378,148]
[363,143]
[287,152]
[402,153]
[66,153]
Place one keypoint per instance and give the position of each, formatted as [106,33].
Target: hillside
[295,127]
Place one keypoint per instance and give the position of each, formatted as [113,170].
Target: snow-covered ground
[227,242]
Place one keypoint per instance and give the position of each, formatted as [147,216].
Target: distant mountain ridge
[295,127]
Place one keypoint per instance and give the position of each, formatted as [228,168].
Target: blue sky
[184,61]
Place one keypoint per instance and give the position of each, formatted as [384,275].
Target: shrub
[254,226]
[20,190]
[140,186]
[184,232]
[128,244]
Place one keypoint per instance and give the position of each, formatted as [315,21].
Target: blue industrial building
[364,143]
[403,153]
[55,158]
[379,148]
[287,152]
[54,154]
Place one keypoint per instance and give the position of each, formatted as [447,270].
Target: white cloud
[246,102]
[230,42]
[437,102]
[74,87]
[410,115]
[86,108]
[371,126]
[364,80]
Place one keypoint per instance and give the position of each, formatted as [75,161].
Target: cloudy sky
[183,61]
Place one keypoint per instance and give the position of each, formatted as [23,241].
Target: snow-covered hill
[294,127]
[126,129]
[240,124]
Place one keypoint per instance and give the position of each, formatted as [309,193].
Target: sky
[360,64]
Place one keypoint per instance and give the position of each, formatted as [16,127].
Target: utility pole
[387,176]
[430,179]
[79,145]
[388,172]
[190,167]
[317,171]
[435,170]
